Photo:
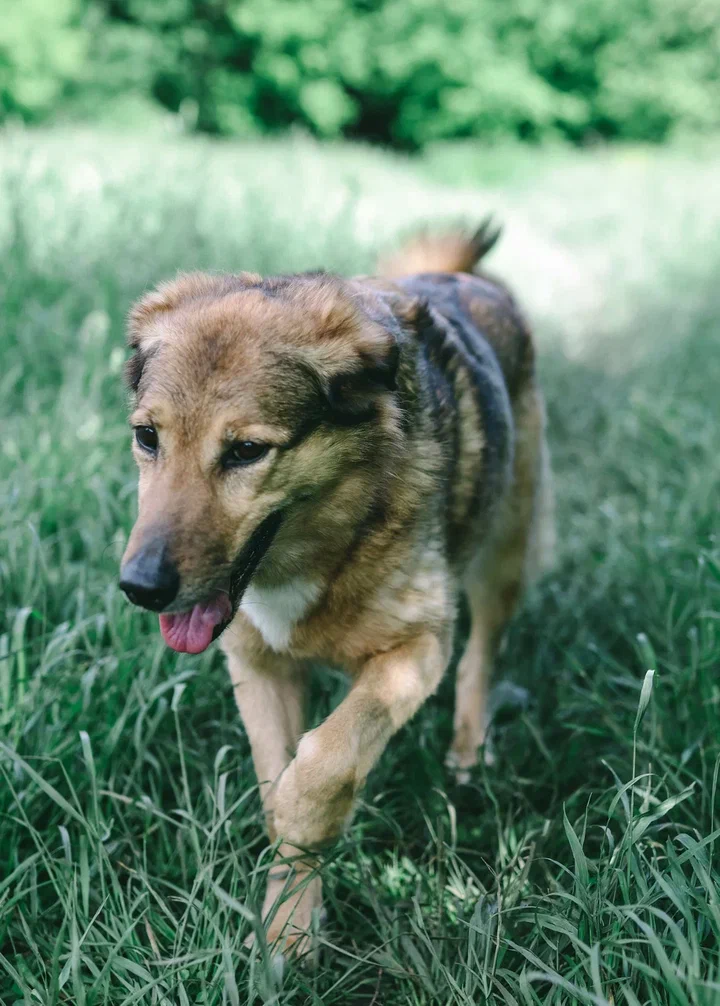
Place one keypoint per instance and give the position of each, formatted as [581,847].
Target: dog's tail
[452,251]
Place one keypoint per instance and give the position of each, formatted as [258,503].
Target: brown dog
[325,464]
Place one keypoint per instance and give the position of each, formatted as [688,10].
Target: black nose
[150,578]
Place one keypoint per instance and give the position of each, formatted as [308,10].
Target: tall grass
[581,868]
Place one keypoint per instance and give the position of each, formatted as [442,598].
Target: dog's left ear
[356,359]
[353,394]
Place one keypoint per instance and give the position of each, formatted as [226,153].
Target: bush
[397,71]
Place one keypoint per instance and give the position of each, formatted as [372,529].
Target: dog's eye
[244,452]
[147,438]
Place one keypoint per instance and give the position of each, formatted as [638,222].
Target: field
[581,867]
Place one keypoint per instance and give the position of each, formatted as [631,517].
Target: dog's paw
[292,912]
[459,766]
[461,762]
[311,803]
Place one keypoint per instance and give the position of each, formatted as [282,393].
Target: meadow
[580,867]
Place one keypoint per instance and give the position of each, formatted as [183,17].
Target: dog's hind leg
[495,580]
[489,613]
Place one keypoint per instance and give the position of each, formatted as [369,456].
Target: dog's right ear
[145,336]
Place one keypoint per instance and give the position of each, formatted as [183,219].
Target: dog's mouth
[192,631]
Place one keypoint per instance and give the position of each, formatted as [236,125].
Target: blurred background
[140,137]
[398,72]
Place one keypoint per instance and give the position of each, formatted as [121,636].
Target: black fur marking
[347,399]
[485,237]
[247,561]
[438,361]
[250,556]
[352,396]
[448,341]
[135,366]
[133,370]
[303,406]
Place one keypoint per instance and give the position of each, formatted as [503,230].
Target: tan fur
[391,509]
[454,251]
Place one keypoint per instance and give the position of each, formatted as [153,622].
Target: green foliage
[41,50]
[405,72]
[581,869]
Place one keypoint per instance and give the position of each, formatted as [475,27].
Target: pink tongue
[192,631]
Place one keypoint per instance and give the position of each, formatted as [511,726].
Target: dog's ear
[352,395]
[144,338]
[355,359]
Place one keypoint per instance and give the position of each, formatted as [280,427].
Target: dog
[325,466]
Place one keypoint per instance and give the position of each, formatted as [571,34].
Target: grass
[582,867]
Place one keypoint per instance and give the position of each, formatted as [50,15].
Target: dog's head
[254,402]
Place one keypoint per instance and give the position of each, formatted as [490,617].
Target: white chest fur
[274,611]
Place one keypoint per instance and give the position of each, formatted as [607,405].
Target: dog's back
[442,270]
[476,341]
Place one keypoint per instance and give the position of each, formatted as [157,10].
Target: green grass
[582,867]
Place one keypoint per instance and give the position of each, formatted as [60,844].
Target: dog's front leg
[270,694]
[315,794]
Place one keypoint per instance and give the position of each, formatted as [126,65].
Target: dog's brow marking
[274,611]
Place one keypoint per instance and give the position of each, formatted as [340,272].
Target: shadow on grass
[635,518]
